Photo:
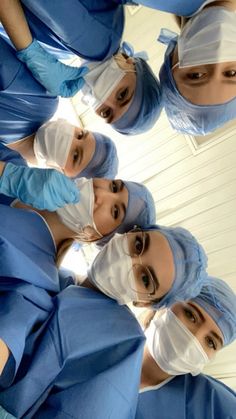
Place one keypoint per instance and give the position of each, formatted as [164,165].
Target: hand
[41,188]
[59,79]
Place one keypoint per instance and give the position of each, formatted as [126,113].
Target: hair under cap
[146,105]
[219,301]
[185,116]
[190,262]
[140,210]
[104,163]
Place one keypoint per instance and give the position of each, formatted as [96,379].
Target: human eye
[211,343]
[122,94]
[105,113]
[115,212]
[229,73]
[75,156]
[138,245]
[80,135]
[114,186]
[196,75]
[189,314]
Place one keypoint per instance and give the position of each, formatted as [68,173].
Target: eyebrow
[146,247]
[154,277]
[121,187]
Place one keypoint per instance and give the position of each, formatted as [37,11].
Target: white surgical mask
[174,348]
[208,38]
[100,81]
[79,217]
[52,143]
[111,270]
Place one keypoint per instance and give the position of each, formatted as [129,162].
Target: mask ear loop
[175,66]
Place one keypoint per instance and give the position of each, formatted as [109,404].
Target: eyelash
[116,212]
[75,156]
[211,343]
[122,94]
[138,245]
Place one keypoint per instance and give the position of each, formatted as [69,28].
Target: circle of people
[69,350]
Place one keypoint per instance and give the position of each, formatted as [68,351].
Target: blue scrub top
[86,362]
[27,250]
[91,29]
[24,104]
[178,7]
[188,397]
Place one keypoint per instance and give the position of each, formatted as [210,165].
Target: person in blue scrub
[24,103]
[198,74]
[126,92]
[90,363]
[80,366]
[72,150]
[170,384]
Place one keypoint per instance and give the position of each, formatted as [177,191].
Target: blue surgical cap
[140,210]
[190,263]
[146,105]
[183,115]
[104,163]
[219,301]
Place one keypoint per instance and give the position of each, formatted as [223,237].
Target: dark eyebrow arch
[217,337]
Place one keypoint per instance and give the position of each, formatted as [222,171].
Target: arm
[4,355]
[57,78]
[13,19]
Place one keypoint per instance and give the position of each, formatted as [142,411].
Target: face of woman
[110,204]
[81,152]
[201,325]
[208,84]
[120,99]
[153,264]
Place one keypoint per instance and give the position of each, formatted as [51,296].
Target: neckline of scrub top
[150,388]
[45,222]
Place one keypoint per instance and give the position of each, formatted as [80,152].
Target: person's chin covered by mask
[124,92]
[154,266]
[74,151]
[182,339]
[198,76]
